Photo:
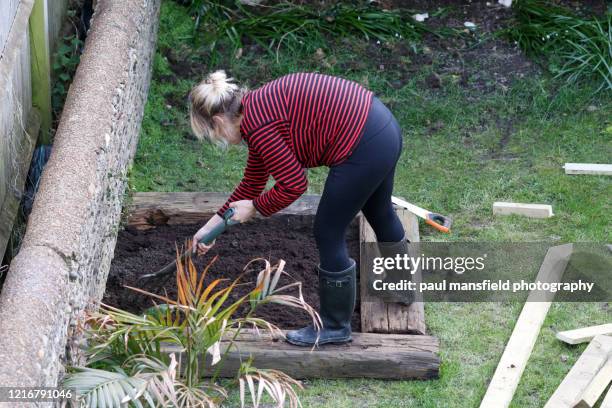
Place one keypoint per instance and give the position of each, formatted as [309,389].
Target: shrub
[289,24]
[574,48]
[127,365]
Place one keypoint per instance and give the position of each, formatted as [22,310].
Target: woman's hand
[198,247]
[244,210]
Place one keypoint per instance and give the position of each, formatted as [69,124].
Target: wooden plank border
[370,355]
[150,209]
[382,317]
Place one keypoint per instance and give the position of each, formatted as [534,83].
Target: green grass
[454,162]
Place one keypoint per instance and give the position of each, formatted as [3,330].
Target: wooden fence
[29,30]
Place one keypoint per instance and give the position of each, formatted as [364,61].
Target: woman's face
[227,129]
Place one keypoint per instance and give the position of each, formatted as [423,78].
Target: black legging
[364,181]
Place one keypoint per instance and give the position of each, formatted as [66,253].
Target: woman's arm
[268,155]
[281,163]
[252,184]
[202,248]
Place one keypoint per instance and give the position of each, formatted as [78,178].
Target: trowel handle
[219,228]
[206,239]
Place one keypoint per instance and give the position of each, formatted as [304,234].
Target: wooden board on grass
[526,210]
[370,355]
[516,354]
[584,334]
[607,401]
[596,387]
[576,381]
[381,317]
[588,168]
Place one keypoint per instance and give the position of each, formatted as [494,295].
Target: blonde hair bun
[217,76]
[216,93]
[220,84]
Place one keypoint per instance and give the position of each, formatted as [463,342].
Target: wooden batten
[607,401]
[596,387]
[526,330]
[526,210]
[584,334]
[588,168]
[580,376]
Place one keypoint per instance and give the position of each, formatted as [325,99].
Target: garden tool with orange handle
[438,221]
[206,239]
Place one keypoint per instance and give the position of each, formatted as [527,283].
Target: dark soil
[280,237]
[476,59]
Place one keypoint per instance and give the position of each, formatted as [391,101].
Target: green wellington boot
[337,297]
[391,250]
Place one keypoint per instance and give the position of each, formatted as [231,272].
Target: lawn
[481,124]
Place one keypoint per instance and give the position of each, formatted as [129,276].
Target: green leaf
[102,388]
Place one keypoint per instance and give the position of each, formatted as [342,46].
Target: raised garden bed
[288,237]
[159,220]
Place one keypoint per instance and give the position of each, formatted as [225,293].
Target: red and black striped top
[297,121]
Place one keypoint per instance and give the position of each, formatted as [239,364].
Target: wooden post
[378,316]
[41,66]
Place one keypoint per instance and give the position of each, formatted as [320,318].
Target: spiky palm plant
[126,362]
